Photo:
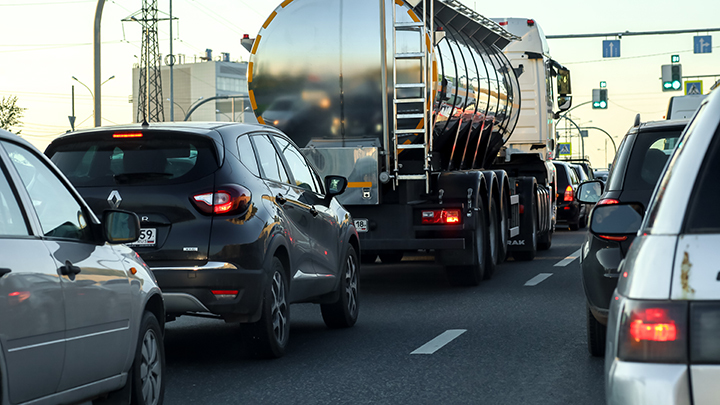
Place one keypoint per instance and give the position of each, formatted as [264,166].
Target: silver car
[663,332]
[81,316]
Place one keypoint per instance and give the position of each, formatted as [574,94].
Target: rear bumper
[568,213]
[189,290]
[647,383]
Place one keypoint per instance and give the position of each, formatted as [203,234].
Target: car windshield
[647,160]
[157,160]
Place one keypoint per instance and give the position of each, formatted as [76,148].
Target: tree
[10,113]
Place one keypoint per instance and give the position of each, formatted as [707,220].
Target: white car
[663,332]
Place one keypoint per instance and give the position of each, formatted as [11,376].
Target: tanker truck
[414,102]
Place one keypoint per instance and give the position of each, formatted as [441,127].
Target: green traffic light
[676,84]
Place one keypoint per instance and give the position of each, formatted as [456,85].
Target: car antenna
[637,120]
[145,123]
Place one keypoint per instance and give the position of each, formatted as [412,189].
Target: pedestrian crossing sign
[564,149]
[693,87]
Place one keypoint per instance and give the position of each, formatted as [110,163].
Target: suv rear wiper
[139,177]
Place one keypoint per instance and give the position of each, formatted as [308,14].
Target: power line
[628,33]
[631,57]
[58,3]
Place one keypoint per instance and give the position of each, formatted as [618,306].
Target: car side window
[60,214]
[270,162]
[701,218]
[247,155]
[302,173]
[12,220]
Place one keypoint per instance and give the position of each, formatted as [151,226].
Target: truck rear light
[442,216]
[704,332]
[568,194]
[225,294]
[653,331]
[229,199]
[530,23]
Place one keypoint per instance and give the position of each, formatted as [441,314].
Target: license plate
[147,238]
[361,225]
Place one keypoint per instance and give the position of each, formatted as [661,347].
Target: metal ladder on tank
[420,28]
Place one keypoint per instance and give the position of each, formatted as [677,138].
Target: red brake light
[653,331]
[225,294]
[568,194]
[441,216]
[613,238]
[503,23]
[246,36]
[128,135]
[530,22]
[230,199]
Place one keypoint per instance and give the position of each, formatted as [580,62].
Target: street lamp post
[91,95]
[228,117]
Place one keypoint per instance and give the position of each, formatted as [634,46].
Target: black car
[639,162]
[236,223]
[570,211]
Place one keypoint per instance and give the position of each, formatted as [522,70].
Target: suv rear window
[152,159]
[647,159]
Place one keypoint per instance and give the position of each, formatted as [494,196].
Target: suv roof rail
[637,120]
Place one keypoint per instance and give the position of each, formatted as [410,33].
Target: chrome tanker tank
[319,70]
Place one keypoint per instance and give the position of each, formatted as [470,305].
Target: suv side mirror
[335,185]
[120,226]
[589,192]
[616,221]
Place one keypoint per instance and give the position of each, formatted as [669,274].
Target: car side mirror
[564,102]
[120,226]
[616,221]
[589,192]
[335,185]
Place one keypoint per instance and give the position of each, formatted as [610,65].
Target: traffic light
[599,99]
[672,77]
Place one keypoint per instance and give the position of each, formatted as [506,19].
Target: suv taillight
[568,194]
[228,199]
[451,216]
[653,331]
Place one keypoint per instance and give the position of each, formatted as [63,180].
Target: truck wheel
[471,275]
[269,335]
[595,335]
[494,239]
[344,312]
[545,241]
[392,257]
[527,255]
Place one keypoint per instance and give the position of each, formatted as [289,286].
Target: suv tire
[344,312]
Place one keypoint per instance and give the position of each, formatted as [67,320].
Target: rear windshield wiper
[139,177]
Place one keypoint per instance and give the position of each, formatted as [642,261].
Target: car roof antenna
[637,120]
[145,123]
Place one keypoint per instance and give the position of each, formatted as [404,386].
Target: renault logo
[114,199]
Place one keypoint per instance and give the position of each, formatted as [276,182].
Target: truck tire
[471,275]
[494,240]
[545,241]
[528,255]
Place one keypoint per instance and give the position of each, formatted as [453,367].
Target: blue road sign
[702,44]
[611,48]
[694,87]
[564,149]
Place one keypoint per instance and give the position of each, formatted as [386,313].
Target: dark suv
[637,166]
[570,211]
[236,223]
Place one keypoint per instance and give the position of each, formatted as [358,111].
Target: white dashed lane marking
[564,262]
[537,279]
[440,341]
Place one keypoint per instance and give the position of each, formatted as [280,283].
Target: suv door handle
[313,211]
[69,269]
[280,199]
[4,271]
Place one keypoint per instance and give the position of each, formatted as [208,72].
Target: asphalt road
[516,339]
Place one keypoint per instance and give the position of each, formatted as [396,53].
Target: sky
[44,43]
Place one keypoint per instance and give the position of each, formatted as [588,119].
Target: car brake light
[652,331]
[442,216]
[530,23]
[229,199]
[607,201]
[568,194]
[127,135]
